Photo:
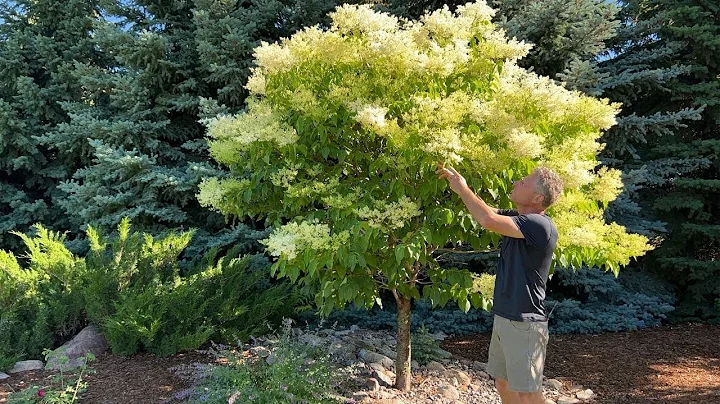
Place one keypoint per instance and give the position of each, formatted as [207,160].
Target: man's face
[524,191]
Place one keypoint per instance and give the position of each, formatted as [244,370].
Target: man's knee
[502,384]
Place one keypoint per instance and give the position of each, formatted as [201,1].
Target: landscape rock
[567,400]
[89,340]
[435,367]
[260,351]
[556,384]
[586,394]
[25,366]
[4,375]
[386,377]
[483,375]
[370,357]
[449,392]
[370,377]
[462,378]
[312,340]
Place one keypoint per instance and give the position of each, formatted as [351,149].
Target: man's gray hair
[549,185]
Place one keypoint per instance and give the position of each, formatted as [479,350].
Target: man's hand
[457,182]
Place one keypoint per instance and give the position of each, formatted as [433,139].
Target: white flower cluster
[524,144]
[289,240]
[389,215]
[445,144]
[274,57]
[607,185]
[371,116]
[256,82]
[259,123]
[351,19]
[341,201]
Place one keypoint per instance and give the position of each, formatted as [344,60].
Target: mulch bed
[141,378]
[670,364]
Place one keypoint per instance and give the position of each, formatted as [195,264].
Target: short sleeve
[535,228]
[507,212]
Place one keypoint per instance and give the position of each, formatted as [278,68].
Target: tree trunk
[402,364]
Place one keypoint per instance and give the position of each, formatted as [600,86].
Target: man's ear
[538,199]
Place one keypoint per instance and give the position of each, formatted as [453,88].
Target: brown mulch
[671,364]
[141,378]
[674,364]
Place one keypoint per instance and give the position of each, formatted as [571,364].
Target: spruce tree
[136,129]
[663,68]
[690,201]
[40,43]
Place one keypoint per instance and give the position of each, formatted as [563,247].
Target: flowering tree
[338,147]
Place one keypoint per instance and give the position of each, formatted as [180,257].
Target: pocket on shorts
[542,330]
[523,326]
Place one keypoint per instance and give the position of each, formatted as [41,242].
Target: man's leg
[531,398]
[507,396]
[496,367]
[524,344]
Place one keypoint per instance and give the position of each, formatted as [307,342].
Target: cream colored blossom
[273,57]
[289,240]
[371,116]
[283,177]
[354,19]
[524,144]
[608,185]
[261,123]
[446,144]
[393,215]
[256,82]
[477,12]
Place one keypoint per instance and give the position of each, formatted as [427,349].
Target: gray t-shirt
[523,268]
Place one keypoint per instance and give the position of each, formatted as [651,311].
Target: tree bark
[402,364]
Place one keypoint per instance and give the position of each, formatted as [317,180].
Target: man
[520,332]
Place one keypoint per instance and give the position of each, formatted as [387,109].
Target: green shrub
[41,304]
[425,348]
[137,296]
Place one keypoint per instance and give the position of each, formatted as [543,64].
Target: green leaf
[476,300]
[464,305]
[400,253]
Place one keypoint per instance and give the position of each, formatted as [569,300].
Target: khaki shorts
[517,353]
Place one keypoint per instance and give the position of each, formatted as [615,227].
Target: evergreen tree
[40,43]
[136,129]
[690,201]
[664,69]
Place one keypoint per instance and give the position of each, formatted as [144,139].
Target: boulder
[370,357]
[89,340]
[25,366]
[435,367]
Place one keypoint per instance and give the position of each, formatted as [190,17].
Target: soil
[670,364]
